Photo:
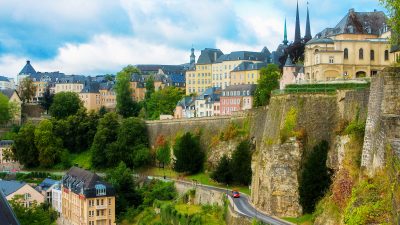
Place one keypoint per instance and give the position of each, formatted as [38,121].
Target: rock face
[383,121]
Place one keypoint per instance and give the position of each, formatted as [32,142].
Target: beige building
[70,87]
[27,193]
[357,47]
[16,102]
[246,73]
[86,199]
[91,97]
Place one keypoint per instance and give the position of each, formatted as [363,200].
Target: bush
[189,156]
[223,173]
[289,125]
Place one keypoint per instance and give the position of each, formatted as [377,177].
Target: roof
[6,143]
[47,183]
[186,101]
[289,62]
[10,186]
[177,78]
[84,182]
[264,55]
[358,23]
[320,41]
[7,92]
[211,94]
[209,55]
[245,66]
[70,78]
[241,87]
[2,78]
[91,87]
[28,69]
[7,215]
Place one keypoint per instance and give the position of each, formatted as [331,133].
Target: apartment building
[236,98]
[357,47]
[86,199]
[204,103]
[12,188]
[90,96]
[246,73]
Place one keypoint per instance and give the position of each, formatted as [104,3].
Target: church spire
[297,35]
[308,36]
[285,41]
[192,57]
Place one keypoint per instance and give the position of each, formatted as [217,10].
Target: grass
[202,178]
[188,209]
[83,159]
[302,220]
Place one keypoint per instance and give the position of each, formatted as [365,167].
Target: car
[235,194]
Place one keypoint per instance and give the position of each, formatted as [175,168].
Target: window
[372,55]
[100,190]
[109,201]
[331,59]
[346,53]
[102,202]
[386,55]
[361,53]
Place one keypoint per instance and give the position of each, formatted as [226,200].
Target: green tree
[241,163]
[126,107]
[163,154]
[315,177]
[49,146]
[103,142]
[33,215]
[102,110]
[150,89]
[163,102]
[65,104]
[24,149]
[27,90]
[124,184]
[393,8]
[5,114]
[223,172]
[269,80]
[47,99]
[188,154]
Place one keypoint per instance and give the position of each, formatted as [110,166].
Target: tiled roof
[186,101]
[91,87]
[28,69]
[177,78]
[82,181]
[213,94]
[209,55]
[245,55]
[289,62]
[244,66]
[6,143]
[4,79]
[47,183]
[7,92]
[241,87]
[358,23]
[9,186]
[7,215]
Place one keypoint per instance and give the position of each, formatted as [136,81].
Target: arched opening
[360,74]
[346,53]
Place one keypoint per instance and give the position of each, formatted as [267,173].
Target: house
[291,73]
[86,199]
[45,188]
[204,103]
[7,215]
[6,160]
[56,197]
[236,98]
[247,73]
[16,102]
[5,83]
[17,188]
[185,108]
[90,95]
[357,47]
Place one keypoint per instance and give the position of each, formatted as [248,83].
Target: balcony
[101,206]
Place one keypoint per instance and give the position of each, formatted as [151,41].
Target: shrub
[289,125]
[189,156]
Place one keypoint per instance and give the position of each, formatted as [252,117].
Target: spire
[285,41]
[297,35]
[192,57]
[308,36]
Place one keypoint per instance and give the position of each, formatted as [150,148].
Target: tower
[308,36]
[285,41]
[192,57]
[297,35]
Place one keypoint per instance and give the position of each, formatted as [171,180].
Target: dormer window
[100,189]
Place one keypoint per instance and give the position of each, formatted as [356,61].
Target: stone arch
[331,74]
[361,74]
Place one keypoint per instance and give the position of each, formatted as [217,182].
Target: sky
[93,37]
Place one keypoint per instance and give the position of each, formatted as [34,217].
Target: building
[107,94]
[138,87]
[86,199]
[246,73]
[357,47]
[291,74]
[56,197]
[185,108]
[395,54]
[6,157]
[70,83]
[198,78]
[204,103]
[5,83]
[236,98]
[26,71]
[17,188]
[16,103]
[90,95]
[7,215]
[45,188]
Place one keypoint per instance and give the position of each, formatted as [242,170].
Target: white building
[6,83]
[56,200]
[204,103]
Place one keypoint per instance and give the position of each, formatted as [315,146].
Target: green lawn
[303,220]
[203,178]
[83,159]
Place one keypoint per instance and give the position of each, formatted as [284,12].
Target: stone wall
[203,196]
[383,120]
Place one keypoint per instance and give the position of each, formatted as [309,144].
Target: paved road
[242,205]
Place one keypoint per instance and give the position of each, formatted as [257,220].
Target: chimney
[28,62]
[351,10]
[215,56]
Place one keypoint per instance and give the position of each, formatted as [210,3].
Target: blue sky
[102,36]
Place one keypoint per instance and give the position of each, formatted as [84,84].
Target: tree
[65,104]
[163,154]
[5,114]
[223,172]
[27,90]
[188,154]
[47,99]
[269,80]
[34,214]
[124,184]
[126,107]
[24,149]
[241,163]
[393,8]
[163,102]
[106,135]
[315,177]
[102,110]
[49,146]
[150,89]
